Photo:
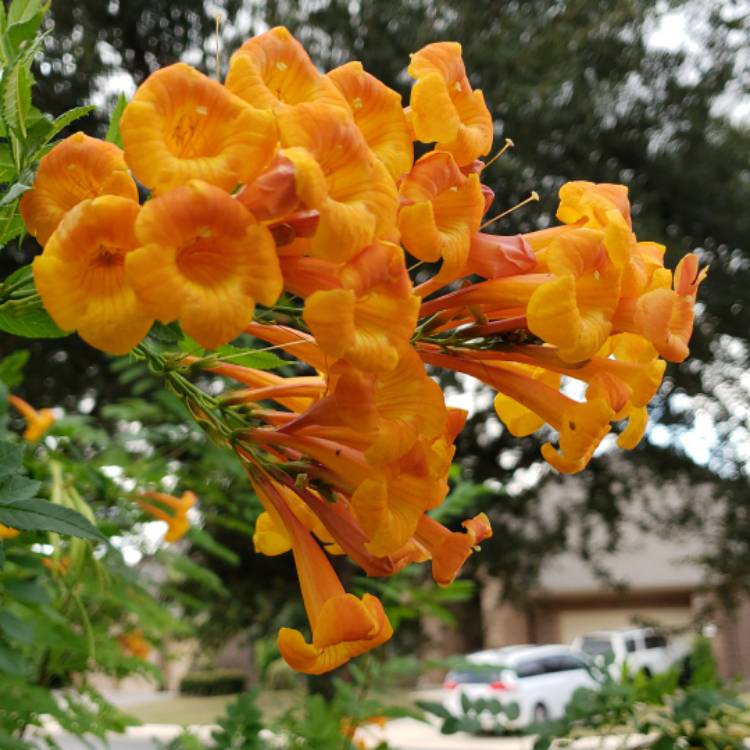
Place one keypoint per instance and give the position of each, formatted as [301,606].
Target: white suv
[640,648]
[540,679]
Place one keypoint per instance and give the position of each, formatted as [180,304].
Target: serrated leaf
[250,358]
[11,457]
[27,317]
[41,515]
[11,368]
[113,131]
[12,224]
[65,119]
[16,97]
[23,23]
[7,165]
[165,334]
[20,277]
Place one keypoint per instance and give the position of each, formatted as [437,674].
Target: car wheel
[541,714]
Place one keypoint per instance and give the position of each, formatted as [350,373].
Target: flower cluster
[284,180]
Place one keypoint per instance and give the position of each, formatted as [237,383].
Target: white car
[540,679]
[640,648]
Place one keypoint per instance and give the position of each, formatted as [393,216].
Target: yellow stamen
[508,144]
[533,197]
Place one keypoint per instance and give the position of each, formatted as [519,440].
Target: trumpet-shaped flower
[589,203]
[378,114]
[450,549]
[203,260]
[76,169]
[342,625]
[181,125]
[81,275]
[273,71]
[370,318]
[441,211]
[444,107]
[362,199]
[37,422]
[176,515]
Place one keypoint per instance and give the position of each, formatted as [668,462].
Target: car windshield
[596,646]
[464,676]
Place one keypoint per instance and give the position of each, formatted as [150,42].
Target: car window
[530,668]
[596,646]
[656,641]
[567,662]
[470,677]
[630,645]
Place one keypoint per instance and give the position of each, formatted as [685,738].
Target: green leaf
[41,515]
[436,709]
[15,628]
[7,165]
[204,540]
[165,334]
[2,554]
[11,223]
[21,277]
[28,592]
[62,122]
[24,19]
[249,358]
[15,97]
[17,488]
[14,192]
[11,457]
[11,662]
[512,710]
[27,317]
[113,131]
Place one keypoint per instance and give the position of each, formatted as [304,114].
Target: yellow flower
[378,114]
[176,518]
[37,422]
[7,533]
[272,71]
[202,260]
[81,275]
[181,125]
[76,169]
[444,107]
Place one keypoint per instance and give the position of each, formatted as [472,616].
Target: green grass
[189,710]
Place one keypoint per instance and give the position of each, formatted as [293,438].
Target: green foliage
[21,509]
[241,726]
[213,682]
[681,707]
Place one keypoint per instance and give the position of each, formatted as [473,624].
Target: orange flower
[393,410]
[81,275]
[342,625]
[293,182]
[450,549]
[181,125]
[204,261]
[493,256]
[176,520]
[134,644]
[441,211]
[378,114]
[362,199]
[665,316]
[273,71]
[444,108]
[37,422]
[370,318]
[7,533]
[581,426]
[77,168]
[588,203]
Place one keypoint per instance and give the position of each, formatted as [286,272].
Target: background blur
[652,95]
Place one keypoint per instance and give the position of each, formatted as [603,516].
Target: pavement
[403,734]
